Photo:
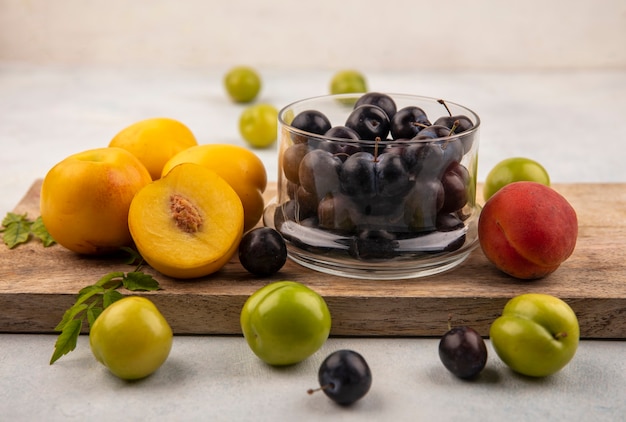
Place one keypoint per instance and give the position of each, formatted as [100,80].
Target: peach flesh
[527,230]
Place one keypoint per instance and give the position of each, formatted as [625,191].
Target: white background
[325,34]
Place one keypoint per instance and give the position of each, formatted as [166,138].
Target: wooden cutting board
[37,284]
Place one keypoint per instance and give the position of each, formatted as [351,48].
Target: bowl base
[395,270]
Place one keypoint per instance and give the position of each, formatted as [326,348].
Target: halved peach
[187,224]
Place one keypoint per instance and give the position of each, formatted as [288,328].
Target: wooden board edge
[362,317]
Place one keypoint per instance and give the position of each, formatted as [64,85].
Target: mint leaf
[136,280]
[86,292]
[110,277]
[66,342]
[16,229]
[12,218]
[69,315]
[109,297]
[133,255]
[93,312]
[40,231]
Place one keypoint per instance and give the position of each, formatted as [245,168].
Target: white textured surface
[219,379]
[570,121]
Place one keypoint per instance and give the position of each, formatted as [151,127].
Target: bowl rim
[355,95]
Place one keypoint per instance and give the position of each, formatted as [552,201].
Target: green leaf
[136,280]
[109,297]
[87,292]
[66,342]
[16,229]
[12,218]
[69,315]
[93,312]
[133,255]
[110,277]
[40,231]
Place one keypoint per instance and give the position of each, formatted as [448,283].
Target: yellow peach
[85,199]
[239,166]
[154,141]
[188,223]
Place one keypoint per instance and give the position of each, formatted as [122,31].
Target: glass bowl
[391,203]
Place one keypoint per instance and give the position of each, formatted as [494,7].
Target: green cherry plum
[258,125]
[131,338]
[242,84]
[511,170]
[285,322]
[348,82]
[536,335]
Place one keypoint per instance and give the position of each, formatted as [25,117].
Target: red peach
[527,229]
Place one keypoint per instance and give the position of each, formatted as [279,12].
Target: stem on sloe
[322,388]
[443,103]
[455,125]
[452,129]
[376,141]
